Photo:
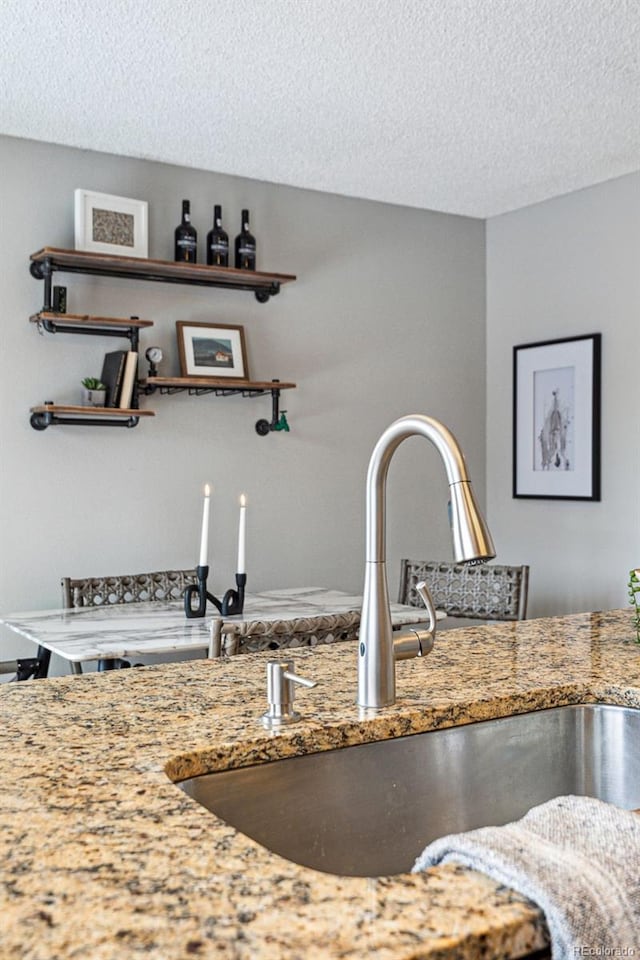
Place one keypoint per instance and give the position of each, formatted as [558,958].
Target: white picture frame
[556,419]
[108,224]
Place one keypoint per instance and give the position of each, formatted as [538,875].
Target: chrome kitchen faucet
[378,649]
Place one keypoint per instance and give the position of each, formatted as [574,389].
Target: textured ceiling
[467,106]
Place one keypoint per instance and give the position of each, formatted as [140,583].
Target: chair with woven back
[130,588]
[252,636]
[486,592]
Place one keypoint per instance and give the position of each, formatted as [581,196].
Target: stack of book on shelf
[119,372]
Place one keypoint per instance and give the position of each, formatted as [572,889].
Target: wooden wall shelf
[52,414]
[44,262]
[222,386]
[86,320]
[128,327]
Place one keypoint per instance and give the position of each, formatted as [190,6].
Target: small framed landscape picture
[107,224]
[556,419]
[212,350]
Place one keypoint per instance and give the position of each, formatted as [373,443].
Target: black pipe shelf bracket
[197,387]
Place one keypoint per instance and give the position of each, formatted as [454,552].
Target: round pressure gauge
[153,354]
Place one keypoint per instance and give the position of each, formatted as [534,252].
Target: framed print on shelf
[115,225]
[556,419]
[212,350]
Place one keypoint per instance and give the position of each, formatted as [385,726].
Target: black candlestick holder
[232,602]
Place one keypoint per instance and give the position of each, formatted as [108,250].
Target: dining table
[112,634]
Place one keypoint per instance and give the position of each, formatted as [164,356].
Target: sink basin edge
[368,809]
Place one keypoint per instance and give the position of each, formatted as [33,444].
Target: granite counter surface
[102,856]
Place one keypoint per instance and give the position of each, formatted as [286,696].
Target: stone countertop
[102,856]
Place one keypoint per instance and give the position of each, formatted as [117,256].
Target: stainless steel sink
[369,810]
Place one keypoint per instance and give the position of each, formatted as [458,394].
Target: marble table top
[135,629]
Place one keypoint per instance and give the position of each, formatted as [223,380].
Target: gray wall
[387,318]
[568,267]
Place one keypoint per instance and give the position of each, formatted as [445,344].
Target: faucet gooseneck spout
[472,543]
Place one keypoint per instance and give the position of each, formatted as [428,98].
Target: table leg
[112,664]
[43,657]
[27,668]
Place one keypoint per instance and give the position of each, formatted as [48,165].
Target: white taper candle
[204,536]
[242,535]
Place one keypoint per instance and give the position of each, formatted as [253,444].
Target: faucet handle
[423,591]
[413,642]
[281,680]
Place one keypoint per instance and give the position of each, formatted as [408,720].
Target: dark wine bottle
[245,246]
[186,250]
[217,242]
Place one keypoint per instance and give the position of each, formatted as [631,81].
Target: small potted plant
[94,392]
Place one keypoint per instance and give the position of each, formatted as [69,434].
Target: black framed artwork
[556,419]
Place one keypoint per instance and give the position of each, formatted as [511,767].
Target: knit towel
[577,858]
